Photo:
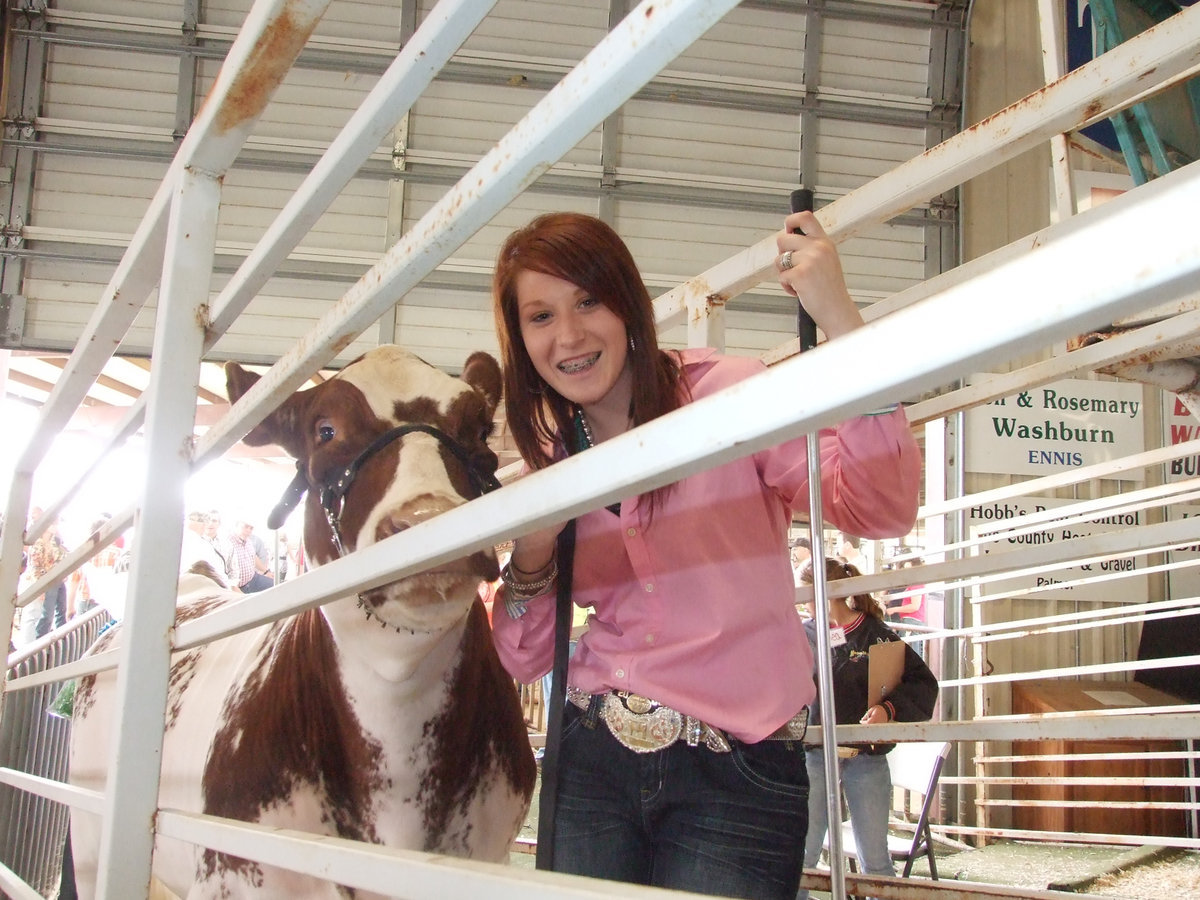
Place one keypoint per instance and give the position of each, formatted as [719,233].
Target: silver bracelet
[527,590]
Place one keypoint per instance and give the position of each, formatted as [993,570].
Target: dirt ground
[1171,878]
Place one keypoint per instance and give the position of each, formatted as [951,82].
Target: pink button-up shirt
[695,608]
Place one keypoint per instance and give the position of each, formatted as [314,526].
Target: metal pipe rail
[1062,479]
[580,482]
[660,452]
[413,68]
[1155,59]
[648,38]
[1074,837]
[994,567]
[1015,628]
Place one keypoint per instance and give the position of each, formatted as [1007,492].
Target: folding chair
[915,767]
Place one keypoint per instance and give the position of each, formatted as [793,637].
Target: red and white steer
[384,717]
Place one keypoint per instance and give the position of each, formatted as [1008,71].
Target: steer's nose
[412,512]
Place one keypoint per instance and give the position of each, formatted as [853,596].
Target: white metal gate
[1128,256]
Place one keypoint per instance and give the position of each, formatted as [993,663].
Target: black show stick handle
[806,328]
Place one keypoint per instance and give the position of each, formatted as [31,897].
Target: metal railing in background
[1087,287]
[34,740]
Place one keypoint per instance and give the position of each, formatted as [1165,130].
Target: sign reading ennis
[1065,425]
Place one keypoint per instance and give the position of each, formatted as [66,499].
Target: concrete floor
[1021,864]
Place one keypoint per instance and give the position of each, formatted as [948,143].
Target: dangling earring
[632,343]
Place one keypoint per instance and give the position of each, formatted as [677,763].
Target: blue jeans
[259,582]
[867,786]
[54,609]
[686,818]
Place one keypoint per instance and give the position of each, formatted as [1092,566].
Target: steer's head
[407,478]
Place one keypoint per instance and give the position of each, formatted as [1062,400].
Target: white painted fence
[1132,254]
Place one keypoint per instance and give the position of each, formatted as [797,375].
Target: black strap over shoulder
[558,698]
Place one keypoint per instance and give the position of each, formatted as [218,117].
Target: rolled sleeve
[526,645]
[871,475]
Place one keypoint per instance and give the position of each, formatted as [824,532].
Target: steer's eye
[325,432]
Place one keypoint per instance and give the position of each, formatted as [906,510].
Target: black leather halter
[333,492]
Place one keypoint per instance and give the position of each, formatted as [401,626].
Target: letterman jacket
[912,700]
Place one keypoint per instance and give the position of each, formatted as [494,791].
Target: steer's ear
[277,428]
[482,372]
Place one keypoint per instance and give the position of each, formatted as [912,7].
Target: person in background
[297,564]
[910,610]
[263,555]
[198,549]
[801,554]
[680,763]
[92,582]
[47,551]
[856,623]
[212,534]
[851,551]
[251,573]
[281,556]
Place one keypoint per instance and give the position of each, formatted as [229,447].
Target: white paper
[1115,698]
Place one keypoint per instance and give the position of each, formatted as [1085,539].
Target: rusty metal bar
[131,792]
[443,30]
[1090,804]
[629,56]
[273,35]
[1080,781]
[1152,840]
[1113,757]
[1156,58]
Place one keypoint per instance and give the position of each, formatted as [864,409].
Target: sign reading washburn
[1065,425]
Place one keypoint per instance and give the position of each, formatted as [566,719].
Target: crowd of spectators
[237,555]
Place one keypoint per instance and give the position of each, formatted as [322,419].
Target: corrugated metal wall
[695,167]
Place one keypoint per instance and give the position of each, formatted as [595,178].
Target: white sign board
[1184,581]
[1065,425]
[1131,589]
[1180,426]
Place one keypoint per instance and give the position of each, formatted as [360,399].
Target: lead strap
[558,699]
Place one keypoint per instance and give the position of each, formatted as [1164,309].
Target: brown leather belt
[644,725]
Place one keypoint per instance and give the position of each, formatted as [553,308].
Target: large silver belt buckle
[639,725]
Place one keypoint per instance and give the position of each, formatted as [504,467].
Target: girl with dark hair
[681,764]
[865,778]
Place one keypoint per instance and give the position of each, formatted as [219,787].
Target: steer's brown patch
[480,729]
[291,727]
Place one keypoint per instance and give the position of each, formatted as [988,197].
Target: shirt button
[620,673]
[649,639]
[632,532]
[649,587]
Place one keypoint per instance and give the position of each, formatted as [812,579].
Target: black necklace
[584,440]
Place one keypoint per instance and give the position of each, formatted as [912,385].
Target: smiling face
[576,343]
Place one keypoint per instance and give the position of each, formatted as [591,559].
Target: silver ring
[785,261]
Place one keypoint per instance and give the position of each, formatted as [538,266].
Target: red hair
[586,252]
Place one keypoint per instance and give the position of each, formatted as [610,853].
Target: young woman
[865,778]
[680,764]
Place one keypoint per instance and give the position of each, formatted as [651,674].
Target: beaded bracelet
[527,590]
[518,593]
